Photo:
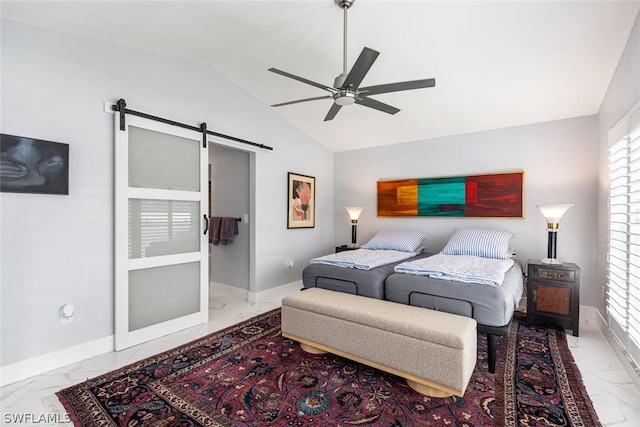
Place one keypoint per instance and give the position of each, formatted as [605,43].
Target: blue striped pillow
[397,240]
[482,242]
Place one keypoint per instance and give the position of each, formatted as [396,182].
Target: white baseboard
[232,291]
[256,297]
[274,293]
[47,362]
[588,312]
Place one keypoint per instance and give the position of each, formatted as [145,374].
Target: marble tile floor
[615,396]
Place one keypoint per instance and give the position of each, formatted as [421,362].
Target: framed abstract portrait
[301,201]
[29,165]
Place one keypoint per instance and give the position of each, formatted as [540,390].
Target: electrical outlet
[66,314]
[290,265]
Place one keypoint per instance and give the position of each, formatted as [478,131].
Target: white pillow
[482,242]
[397,240]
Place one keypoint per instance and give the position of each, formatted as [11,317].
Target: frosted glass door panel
[160,256]
[162,161]
[163,293]
[163,227]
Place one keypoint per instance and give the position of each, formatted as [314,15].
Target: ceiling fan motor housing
[345,3]
[339,80]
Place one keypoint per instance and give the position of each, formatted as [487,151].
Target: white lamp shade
[354,212]
[553,213]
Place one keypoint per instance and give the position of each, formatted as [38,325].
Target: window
[623,278]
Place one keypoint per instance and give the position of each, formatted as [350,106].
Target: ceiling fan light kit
[344,97]
[346,88]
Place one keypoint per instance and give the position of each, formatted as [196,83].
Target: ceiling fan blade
[360,68]
[332,112]
[376,105]
[396,87]
[302,100]
[302,79]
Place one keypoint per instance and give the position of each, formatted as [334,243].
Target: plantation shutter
[160,221]
[623,278]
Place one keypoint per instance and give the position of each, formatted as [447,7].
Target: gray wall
[623,93]
[58,249]
[230,196]
[559,160]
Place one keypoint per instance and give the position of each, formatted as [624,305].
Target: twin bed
[366,282]
[417,279]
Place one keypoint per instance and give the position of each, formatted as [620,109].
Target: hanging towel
[214,229]
[228,229]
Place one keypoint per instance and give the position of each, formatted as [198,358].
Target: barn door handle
[206,224]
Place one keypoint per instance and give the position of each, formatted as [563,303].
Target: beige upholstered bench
[434,351]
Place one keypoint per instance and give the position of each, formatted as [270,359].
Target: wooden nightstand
[553,294]
[346,248]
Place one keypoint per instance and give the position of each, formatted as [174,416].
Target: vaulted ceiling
[496,63]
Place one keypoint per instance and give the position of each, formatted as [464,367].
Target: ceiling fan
[346,88]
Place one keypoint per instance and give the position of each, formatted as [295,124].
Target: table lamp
[552,213]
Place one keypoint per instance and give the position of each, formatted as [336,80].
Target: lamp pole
[354,214]
[354,226]
[552,242]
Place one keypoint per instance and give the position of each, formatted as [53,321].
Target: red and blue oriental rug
[249,375]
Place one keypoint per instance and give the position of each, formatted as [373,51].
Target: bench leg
[428,390]
[311,349]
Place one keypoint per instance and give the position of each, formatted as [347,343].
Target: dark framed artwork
[498,195]
[301,201]
[30,165]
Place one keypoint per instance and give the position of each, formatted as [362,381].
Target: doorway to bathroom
[230,208]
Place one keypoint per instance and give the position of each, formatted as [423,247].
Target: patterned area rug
[249,375]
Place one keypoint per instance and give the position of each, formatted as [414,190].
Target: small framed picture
[301,204]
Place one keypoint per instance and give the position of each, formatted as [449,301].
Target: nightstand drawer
[553,274]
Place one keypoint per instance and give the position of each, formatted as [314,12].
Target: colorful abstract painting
[301,201]
[497,195]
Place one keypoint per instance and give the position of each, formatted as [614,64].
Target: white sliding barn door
[161,249]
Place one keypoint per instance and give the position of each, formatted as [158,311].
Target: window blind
[623,251]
